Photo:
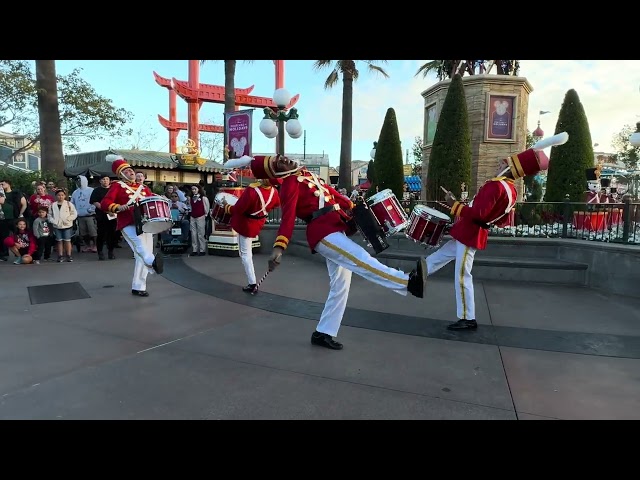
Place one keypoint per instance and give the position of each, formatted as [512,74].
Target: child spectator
[21,243]
[43,231]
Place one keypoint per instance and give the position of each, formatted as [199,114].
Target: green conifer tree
[388,162]
[450,160]
[568,162]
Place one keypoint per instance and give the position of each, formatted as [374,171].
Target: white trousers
[344,256]
[142,246]
[463,280]
[246,255]
[198,239]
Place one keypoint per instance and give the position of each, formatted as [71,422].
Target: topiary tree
[568,162]
[450,160]
[389,167]
[371,172]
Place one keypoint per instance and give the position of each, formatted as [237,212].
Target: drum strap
[264,204]
[136,193]
[511,202]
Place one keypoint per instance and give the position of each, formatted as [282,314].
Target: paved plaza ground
[200,348]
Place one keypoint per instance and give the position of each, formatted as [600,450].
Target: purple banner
[238,126]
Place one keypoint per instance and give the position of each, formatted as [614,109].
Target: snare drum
[427,226]
[217,213]
[390,215]
[156,214]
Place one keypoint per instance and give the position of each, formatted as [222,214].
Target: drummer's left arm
[241,205]
[483,203]
[344,202]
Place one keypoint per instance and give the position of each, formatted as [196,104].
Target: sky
[608,89]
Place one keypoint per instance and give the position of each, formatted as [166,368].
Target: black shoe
[158,263]
[111,256]
[193,254]
[201,254]
[140,293]
[418,279]
[3,259]
[100,256]
[463,325]
[252,288]
[324,340]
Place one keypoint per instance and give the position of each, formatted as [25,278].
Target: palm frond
[332,79]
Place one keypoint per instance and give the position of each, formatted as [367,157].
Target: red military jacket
[120,193]
[591,197]
[491,202]
[249,206]
[300,197]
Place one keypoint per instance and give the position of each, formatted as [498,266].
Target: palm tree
[229,88]
[49,117]
[349,73]
[446,69]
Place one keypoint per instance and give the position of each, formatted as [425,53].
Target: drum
[367,225]
[427,226]
[592,221]
[390,215]
[155,214]
[217,212]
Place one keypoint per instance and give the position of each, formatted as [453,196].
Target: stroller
[178,237]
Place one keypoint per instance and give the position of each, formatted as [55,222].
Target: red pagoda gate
[195,94]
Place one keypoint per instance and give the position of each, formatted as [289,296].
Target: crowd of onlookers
[46,223]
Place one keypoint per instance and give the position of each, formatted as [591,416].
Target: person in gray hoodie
[87,225]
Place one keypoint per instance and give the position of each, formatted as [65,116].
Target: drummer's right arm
[108,203]
[288,205]
[484,201]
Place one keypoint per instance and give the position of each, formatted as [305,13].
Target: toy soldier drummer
[605,193]
[592,195]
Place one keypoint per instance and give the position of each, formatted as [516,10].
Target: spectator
[61,216]
[87,226]
[43,231]
[21,243]
[40,199]
[199,205]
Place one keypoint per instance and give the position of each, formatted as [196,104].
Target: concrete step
[485,267]
[491,267]
[496,246]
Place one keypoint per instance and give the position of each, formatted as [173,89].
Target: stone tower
[497,106]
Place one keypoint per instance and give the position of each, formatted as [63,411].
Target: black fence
[607,222]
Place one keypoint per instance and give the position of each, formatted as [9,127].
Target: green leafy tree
[568,162]
[350,73]
[84,114]
[416,151]
[450,160]
[389,171]
[625,152]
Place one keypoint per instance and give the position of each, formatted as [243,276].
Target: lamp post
[272,123]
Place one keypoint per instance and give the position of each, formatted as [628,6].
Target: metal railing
[606,222]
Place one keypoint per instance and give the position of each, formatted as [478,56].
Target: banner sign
[238,129]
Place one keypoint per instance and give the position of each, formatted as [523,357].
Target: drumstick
[444,189]
[262,279]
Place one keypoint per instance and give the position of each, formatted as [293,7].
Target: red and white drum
[427,226]
[385,207]
[156,214]
[217,212]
